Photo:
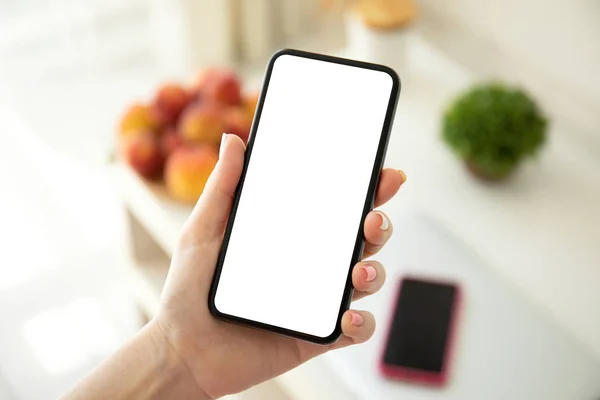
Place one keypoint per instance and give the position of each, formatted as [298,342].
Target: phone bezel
[370,197]
[405,373]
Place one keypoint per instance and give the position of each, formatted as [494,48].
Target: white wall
[562,36]
[558,40]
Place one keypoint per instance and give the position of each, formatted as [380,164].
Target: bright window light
[65,338]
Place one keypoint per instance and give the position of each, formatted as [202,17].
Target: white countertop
[506,348]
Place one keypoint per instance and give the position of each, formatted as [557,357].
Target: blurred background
[96,95]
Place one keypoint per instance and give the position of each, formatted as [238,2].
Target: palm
[262,355]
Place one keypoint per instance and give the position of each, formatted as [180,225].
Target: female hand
[222,358]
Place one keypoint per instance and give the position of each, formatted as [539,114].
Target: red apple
[141,151]
[220,85]
[187,171]
[202,123]
[170,100]
[139,117]
[169,141]
[250,103]
[238,122]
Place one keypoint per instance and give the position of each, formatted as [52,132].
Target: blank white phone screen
[302,200]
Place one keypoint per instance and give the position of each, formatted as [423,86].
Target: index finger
[390,181]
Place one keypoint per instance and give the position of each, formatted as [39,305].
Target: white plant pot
[389,47]
[190,34]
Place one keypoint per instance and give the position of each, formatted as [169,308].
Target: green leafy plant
[493,127]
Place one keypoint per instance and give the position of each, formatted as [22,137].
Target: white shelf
[162,217]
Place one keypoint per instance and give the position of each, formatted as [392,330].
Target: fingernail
[371,272]
[385,224]
[402,174]
[223,139]
[357,319]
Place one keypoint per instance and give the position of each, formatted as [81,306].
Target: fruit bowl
[173,139]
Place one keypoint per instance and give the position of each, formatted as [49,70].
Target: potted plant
[493,128]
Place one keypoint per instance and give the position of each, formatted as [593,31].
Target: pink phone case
[419,376]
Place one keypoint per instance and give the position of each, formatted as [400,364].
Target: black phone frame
[368,206]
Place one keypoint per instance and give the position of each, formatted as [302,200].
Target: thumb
[208,219]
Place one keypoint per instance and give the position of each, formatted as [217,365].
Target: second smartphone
[422,332]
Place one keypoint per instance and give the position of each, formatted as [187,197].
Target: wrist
[177,380]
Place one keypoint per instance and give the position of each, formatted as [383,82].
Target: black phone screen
[421,324]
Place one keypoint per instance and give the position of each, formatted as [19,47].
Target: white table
[506,347]
[538,232]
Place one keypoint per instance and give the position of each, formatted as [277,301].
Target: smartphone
[316,149]
[421,333]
